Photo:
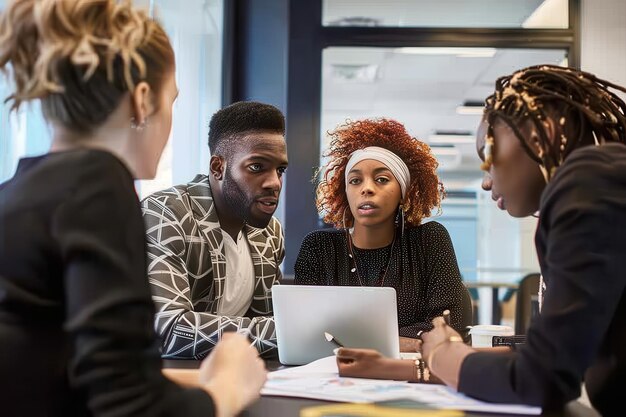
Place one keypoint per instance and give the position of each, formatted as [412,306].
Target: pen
[329,337]
[446,316]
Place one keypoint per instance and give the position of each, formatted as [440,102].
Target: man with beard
[214,249]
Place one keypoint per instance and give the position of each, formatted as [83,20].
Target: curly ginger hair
[424,192]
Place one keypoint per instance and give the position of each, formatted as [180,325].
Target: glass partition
[195,28]
[438,94]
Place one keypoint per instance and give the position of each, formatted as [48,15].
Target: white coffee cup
[482,334]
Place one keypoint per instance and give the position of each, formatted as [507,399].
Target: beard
[241,204]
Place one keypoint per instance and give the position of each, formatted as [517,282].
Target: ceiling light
[445,151]
[471,107]
[459,52]
[449,157]
[451,139]
[354,73]
[471,110]
[359,21]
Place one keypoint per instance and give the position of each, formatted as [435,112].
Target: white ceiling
[423,89]
[420,90]
[438,13]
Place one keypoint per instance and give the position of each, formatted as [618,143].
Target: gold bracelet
[451,339]
[425,372]
[421,372]
[418,370]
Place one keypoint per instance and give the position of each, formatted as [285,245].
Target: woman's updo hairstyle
[80,57]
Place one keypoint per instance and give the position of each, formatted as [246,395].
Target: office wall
[603,39]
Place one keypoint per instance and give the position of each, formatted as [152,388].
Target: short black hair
[241,118]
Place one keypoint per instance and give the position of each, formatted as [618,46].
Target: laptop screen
[360,317]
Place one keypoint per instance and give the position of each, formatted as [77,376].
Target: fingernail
[335,351]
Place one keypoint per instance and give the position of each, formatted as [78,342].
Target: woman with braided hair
[378,186]
[553,142]
[76,316]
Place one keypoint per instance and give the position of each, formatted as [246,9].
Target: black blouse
[76,316]
[581,331]
[422,269]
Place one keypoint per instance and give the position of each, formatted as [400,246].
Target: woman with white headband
[378,185]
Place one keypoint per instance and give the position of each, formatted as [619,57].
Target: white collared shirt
[239,285]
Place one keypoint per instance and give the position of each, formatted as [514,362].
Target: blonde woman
[76,318]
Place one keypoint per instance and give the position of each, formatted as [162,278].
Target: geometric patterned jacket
[187,268]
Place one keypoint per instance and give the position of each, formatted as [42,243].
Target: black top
[422,269]
[581,243]
[76,317]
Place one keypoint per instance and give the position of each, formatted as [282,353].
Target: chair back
[527,304]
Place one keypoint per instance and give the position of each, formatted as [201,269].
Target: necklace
[355,267]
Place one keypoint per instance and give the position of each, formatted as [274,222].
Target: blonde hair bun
[43,39]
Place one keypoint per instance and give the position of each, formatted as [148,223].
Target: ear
[531,129]
[142,102]
[217,166]
[533,136]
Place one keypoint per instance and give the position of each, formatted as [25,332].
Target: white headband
[396,165]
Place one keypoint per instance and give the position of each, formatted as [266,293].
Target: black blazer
[76,317]
[581,331]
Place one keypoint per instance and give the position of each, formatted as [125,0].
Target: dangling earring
[349,243]
[400,219]
[134,125]
[344,218]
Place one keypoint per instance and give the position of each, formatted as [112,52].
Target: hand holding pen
[367,363]
[446,319]
[441,334]
[443,323]
[330,338]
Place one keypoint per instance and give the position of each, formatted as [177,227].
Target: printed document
[320,380]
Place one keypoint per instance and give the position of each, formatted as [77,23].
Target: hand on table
[369,363]
[233,374]
[450,349]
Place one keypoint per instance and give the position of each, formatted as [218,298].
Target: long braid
[588,112]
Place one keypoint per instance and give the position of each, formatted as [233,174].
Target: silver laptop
[359,317]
